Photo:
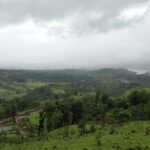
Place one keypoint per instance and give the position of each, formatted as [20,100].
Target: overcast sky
[57,34]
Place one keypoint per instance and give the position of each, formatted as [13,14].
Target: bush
[124,115]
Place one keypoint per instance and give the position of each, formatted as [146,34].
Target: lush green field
[132,135]
[11,90]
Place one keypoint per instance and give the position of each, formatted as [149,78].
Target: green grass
[34,118]
[9,94]
[129,135]
[11,90]
[57,90]
[35,84]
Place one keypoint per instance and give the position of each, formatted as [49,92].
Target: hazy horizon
[138,71]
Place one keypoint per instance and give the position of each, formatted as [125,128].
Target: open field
[132,135]
[11,90]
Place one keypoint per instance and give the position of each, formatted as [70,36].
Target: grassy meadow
[131,135]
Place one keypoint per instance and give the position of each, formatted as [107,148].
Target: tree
[123,115]
[41,123]
[137,97]
[147,110]
[104,98]
[56,119]
[81,127]
[66,132]
[10,110]
[77,110]
[98,137]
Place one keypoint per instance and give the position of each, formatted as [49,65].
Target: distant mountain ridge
[112,71]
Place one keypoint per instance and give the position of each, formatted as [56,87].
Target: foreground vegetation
[127,136]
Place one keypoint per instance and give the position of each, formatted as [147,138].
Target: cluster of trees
[60,113]
[135,107]
[32,99]
[100,108]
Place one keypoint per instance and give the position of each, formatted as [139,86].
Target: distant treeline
[70,75]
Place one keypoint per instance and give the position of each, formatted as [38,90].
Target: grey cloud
[25,44]
[14,11]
